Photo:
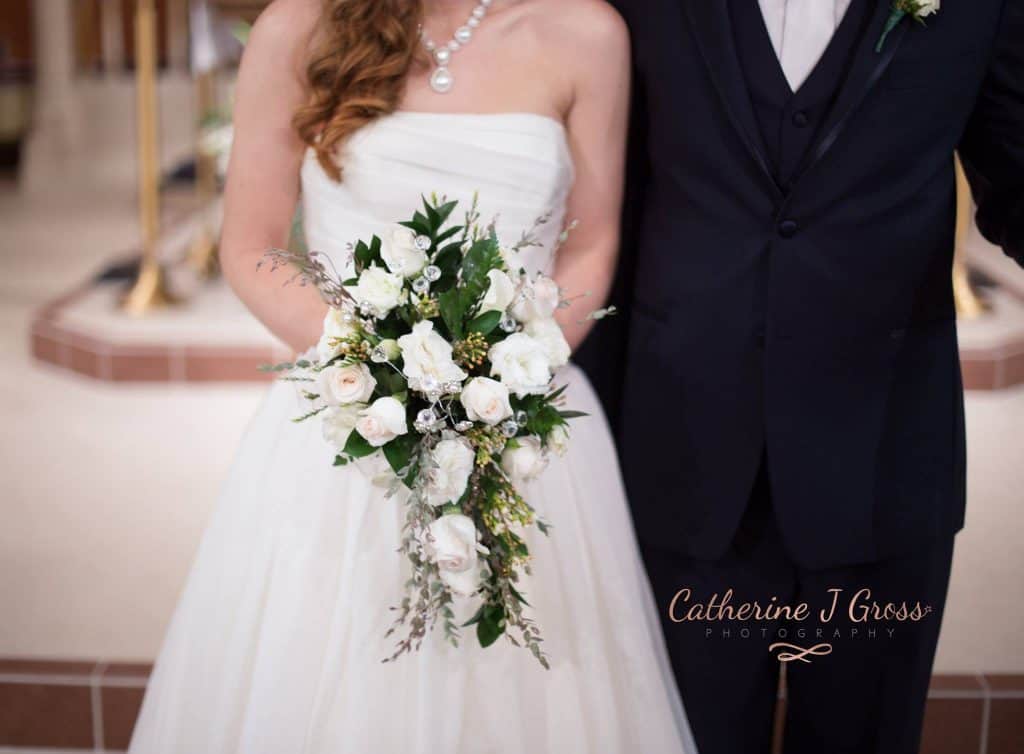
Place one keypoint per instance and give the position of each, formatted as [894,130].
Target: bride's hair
[361,55]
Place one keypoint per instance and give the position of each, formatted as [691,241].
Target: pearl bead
[442,56]
[473,22]
[463,34]
[479,12]
[453,45]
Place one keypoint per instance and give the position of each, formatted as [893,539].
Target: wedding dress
[277,642]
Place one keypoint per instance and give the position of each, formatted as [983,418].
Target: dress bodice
[518,163]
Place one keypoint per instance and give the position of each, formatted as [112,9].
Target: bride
[276,644]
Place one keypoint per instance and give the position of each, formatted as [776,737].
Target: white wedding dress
[276,645]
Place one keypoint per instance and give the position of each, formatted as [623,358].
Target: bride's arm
[597,125]
[263,180]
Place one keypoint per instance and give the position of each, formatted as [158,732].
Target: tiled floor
[85,706]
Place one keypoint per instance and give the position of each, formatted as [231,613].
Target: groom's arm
[992,147]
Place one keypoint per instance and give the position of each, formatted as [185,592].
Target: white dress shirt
[800,32]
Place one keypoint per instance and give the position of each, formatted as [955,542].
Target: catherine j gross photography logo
[841,615]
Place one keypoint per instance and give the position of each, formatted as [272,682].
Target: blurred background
[128,372]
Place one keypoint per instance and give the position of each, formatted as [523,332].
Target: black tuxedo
[786,281]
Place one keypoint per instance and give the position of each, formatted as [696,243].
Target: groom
[791,415]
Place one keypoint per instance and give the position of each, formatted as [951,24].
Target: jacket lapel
[866,70]
[712,30]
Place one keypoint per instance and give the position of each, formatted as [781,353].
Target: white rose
[558,440]
[379,290]
[448,477]
[548,333]
[522,363]
[452,543]
[382,421]
[399,252]
[336,327]
[536,300]
[525,461]
[499,294]
[486,400]
[348,384]
[928,7]
[427,355]
[337,424]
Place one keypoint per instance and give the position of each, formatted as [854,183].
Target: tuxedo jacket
[809,326]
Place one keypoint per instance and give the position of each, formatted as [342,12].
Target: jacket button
[800,119]
[788,228]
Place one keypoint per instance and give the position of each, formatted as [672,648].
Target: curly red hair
[358,66]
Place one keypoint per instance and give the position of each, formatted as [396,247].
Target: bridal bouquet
[436,364]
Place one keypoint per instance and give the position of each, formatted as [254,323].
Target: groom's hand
[992,147]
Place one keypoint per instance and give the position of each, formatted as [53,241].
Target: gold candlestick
[149,291]
[969,304]
[202,255]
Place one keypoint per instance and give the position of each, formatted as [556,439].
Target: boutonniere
[918,10]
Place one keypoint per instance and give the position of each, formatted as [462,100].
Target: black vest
[789,121]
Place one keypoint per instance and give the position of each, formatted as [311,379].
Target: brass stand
[202,255]
[149,291]
[969,305]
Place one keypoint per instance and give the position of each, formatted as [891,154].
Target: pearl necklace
[441,80]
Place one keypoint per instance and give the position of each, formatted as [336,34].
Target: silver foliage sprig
[309,268]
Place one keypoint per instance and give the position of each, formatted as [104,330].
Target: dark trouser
[866,697]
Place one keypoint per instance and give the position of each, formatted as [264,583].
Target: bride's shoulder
[582,21]
[578,31]
[285,26]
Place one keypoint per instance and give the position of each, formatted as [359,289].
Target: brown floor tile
[45,716]
[140,367]
[84,361]
[1006,726]
[206,366]
[958,683]
[120,709]
[1013,370]
[40,666]
[952,726]
[127,670]
[979,374]
[1005,682]
[45,349]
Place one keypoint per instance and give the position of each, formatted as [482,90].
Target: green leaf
[363,255]
[357,446]
[444,235]
[399,451]
[485,323]
[452,312]
[340,460]
[419,227]
[518,596]
[491,625]
[447,260]
[432,217]
[572,414]
[444,211]
[477,617]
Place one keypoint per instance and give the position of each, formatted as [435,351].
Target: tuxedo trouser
[866,696]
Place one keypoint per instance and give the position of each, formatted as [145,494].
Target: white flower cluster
[522,363]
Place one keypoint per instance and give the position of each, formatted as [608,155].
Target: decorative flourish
[917,10]
[791,652]
[434,373]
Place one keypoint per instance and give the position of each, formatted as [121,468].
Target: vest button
[800,119]
[788,228]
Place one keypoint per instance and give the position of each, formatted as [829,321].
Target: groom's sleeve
[992,148]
